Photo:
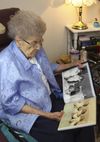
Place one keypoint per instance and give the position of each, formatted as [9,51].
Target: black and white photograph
[77,83]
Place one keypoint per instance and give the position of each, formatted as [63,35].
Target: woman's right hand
[54,115]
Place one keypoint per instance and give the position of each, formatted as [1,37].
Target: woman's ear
[17,38]
[18,41]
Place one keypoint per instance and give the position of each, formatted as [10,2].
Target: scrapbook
[79,97]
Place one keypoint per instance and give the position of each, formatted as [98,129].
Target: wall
[56,17]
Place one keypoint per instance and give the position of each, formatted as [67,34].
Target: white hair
[25,24]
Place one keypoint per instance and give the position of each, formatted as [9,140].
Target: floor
[98,139]
[97,135]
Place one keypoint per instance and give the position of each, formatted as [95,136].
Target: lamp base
[80,26]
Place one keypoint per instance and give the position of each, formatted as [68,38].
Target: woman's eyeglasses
[28,43]
[34,43]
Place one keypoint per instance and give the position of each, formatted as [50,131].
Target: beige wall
[56,18]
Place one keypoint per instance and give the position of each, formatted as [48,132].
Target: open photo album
[79,97]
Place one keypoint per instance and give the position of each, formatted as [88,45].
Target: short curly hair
[25,24]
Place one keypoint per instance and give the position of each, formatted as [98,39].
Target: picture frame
[79,97]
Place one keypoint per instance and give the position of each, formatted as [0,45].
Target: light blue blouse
[21,83]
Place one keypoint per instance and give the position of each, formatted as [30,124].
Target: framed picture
[79,97]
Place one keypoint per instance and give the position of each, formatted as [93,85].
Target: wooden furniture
[73,35]
[2,138]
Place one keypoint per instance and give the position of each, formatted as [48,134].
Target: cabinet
[73,35]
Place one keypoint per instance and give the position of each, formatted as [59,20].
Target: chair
[2,137]
[5,15]
[8,134]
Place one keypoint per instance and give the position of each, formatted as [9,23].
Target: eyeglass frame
[31,43]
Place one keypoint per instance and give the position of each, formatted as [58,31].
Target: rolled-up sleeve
[12,102]
[54,66]
[10,98]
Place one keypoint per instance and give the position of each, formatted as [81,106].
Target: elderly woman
[31,99]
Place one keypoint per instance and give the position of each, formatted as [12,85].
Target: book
[86,41]
[79,97]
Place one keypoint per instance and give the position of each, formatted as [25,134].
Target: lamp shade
[79,3]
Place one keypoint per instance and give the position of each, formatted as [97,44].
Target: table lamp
[80,25]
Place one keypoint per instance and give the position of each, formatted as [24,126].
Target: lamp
[80,25]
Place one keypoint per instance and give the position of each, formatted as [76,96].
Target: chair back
[5,15]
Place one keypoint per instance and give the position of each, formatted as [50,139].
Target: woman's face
[30,46]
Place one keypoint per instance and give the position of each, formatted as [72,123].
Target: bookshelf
[73,35]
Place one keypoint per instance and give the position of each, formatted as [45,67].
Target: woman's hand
[55,115]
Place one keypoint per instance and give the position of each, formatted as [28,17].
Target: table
[73,35]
